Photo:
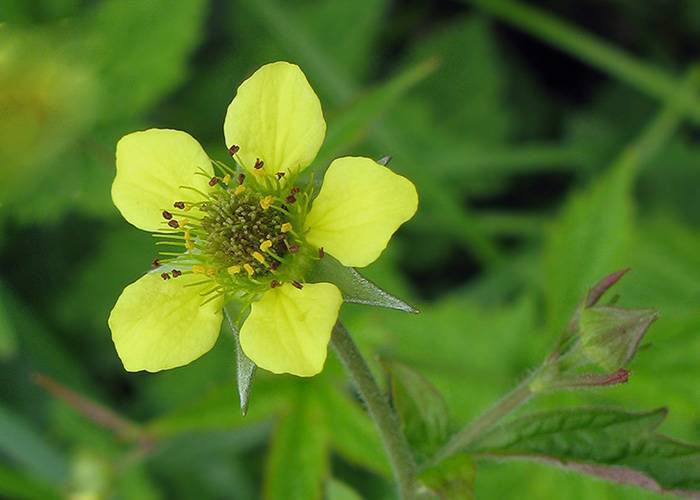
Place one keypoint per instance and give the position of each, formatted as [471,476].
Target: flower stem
[487,420]
[395,444]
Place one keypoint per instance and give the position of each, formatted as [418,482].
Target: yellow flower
[274,128]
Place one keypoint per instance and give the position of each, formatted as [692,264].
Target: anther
[286,227]
[241,178]
[165,276]
[234,270]
[290,199]
[266,202]
[177,273]
[167,215]
[295,190]
[259,257]
[258,164]
[227,179]
[233,150]
[274,265]
[198,269]
[265,245]
[211,272]
[275,284]
[213,181]
[298,285]
[249,269]
[239,190]
[173,223]
[293,248]
[155,264]
[321,252]
[279,175]
[179,204]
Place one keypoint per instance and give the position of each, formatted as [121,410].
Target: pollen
[266,202]
[249,269]
[259,257]
[286,227]
[265,245]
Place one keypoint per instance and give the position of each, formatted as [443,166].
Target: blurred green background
[552,142]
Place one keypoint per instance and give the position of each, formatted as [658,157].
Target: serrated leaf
[245,367]
[610,443]
[451,479]
[355,288]
[297,463]
[423,412]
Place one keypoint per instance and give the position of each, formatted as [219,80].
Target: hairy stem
[395,444]
[487,420]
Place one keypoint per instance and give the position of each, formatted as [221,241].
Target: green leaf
[297,463]
[423,412]
[245,367]
[451,479]
[355,288]
[337,490]
[142,50]
[14,484]
[27,448]
[610,443]
[8,340]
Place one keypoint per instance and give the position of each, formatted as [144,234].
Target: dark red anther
[213,181]
[258,164]
[177,273]
[167,215]
[279,175]
[290,199]
[293,248]
[294,190]
[321,252]
[275,284]
[173,223]
[241,178]
[165,276]
[298,285]
[155,264]
[179,204]
[274,265]
[233,150]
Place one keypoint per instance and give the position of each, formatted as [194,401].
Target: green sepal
[245,367]
[356,289]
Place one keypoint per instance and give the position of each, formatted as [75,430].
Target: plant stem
[487,420]
[395,444]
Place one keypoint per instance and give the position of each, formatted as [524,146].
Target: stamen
[286,227]
[211,272]
[233,150]
[234,270]
[165,276]
[239,189]
[298,285]
[173,223]
[265,245]
[177,273]
[290,199]
[321,252]
[179,204]
[279,175]
[199,269]
[167,215]
[155,264]
[213,181]
[258,164]
[293,248]
[259,257]
[227,179]
[248,268]
[241,178]
[266,202]
[275,284]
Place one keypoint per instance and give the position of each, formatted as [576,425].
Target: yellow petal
[360,205]
[151,167]
[288,329]
[276,117]
[159,324]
